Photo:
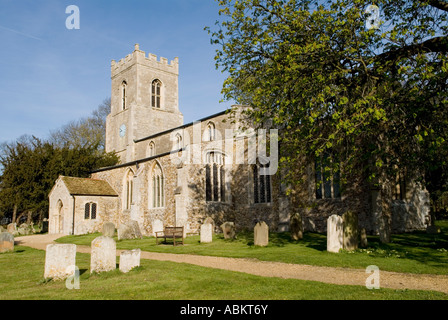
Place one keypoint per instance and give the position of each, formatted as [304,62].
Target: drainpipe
[73,221]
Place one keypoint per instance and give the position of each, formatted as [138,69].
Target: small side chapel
[170,177]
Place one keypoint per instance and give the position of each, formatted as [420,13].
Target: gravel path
[341,276]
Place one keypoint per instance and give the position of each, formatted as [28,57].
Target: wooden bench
[171,233]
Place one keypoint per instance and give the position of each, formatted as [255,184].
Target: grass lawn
[416,252]
[21,278]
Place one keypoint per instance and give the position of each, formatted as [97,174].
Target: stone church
[176,174]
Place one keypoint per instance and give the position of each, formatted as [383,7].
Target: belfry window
[215,178]
[123,94]
[156,92]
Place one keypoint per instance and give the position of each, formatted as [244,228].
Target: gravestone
[58,259]
[228,228]
[261,234]
[212,222]
[296,227]
[206,233]
[6,242]
[335,233]
[350,223]
[157,226]
[103,255]
[12,228]
[363,238]
[129,230]
[129,259]
[109,229]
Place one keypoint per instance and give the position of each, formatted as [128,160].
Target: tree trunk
[14,214]
[385,222]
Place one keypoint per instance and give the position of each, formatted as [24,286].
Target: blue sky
[50,75]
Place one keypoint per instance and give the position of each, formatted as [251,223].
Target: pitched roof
[88,187]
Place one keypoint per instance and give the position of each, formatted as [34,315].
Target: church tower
[144,101]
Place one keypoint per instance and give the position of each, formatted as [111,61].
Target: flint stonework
[103,255]
[58,259]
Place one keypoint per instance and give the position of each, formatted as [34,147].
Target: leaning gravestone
[58,259]
[103,255]
[6,242]
[109,229]
[228,228]
[129,230]
[350,222]
[261,234]
[335,233]
[363,238]
[129,259]
[296,227]
[206,233]
[12,228]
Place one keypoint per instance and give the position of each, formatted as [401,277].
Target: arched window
[215,178]
[123,94]
[179,144]
[261,184]
[128,189]
[157,184]
[156,91]
[151,149]
[210,132]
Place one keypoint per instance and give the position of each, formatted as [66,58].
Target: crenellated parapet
[150,60]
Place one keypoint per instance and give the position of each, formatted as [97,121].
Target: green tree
[85,132]
[31,167]
[376,96]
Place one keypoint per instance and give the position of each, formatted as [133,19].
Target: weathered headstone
[103,255]
[12,228]
[212,222]
[58,259]
[228,228]
[296,227]
[6,242]
[129,259]
[206,233]
[335,233]
[129,230]
[261,234]
[363,238]
[157,226]
[350,223]
[109,229]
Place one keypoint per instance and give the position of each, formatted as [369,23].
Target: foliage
[376,97]
[85,132]
[31,166]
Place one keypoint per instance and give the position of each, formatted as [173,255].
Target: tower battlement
[151,60]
